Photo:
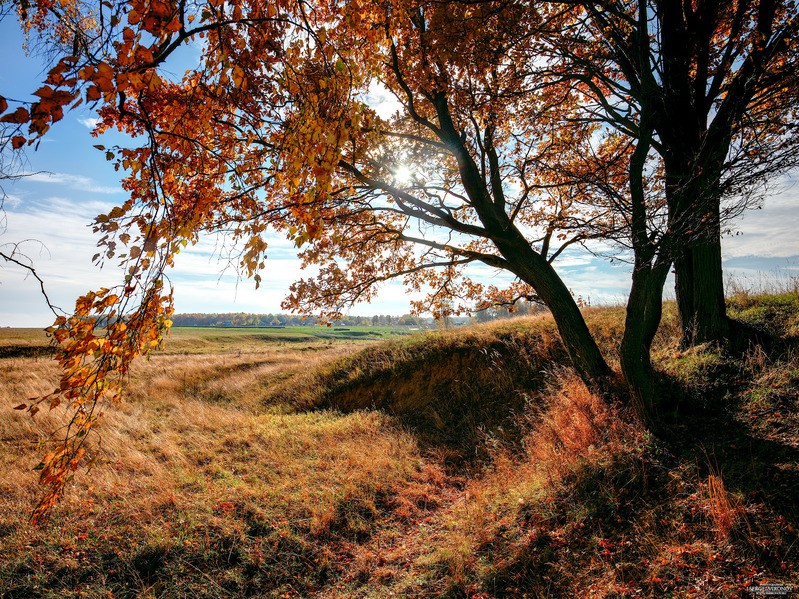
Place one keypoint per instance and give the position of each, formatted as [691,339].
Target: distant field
[19,342]
[193,340]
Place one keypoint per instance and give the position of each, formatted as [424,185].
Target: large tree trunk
[695,220]
[699,286]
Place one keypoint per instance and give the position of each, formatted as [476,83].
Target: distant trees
[242,319]
[522,131]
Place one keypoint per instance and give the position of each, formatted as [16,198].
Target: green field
[31,342]
[192,340]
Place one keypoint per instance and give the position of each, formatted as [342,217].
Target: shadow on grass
[26,351]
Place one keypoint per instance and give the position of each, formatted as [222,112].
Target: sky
[50,211]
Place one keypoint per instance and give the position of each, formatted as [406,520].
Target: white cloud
[76,182]
[62,224]
[10,201]
[770,231]
[382,101]
[89,122]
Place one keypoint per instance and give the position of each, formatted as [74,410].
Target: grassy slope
[488,470]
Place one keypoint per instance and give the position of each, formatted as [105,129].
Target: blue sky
[50,212]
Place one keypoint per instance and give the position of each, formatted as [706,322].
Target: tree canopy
[523,130]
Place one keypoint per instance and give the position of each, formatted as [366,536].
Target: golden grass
[191,455]
[468,463]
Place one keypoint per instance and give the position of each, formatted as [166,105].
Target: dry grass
[467,463]
[491,537]
[453,389]
[198,472]
[725,510]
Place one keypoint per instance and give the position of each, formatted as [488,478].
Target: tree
[690,105]
[710,87]
[273,130]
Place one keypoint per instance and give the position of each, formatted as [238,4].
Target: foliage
[271,129]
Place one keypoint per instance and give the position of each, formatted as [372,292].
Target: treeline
[244,319]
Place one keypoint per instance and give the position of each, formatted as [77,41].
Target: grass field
[215,339]
[466,463]
[16,342]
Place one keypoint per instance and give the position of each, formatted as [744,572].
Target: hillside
[467,463]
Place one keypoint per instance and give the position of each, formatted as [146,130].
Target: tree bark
[699,279]
[577,339]
[700,293]
[644,311]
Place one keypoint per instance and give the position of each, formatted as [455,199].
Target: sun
[403,175]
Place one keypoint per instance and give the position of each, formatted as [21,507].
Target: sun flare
[403,175]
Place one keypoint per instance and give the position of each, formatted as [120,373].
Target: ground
[467,463]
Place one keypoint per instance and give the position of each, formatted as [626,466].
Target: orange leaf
[19,116]
[44,92]
[104,78]
[92,94]
[143,54]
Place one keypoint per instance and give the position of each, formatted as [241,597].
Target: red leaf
[93,93]
[21,406]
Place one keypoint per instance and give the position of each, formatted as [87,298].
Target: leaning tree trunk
[532,268]
[580,345]
[645,303]
[644,311]
[520,257]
